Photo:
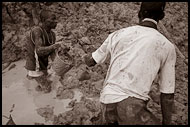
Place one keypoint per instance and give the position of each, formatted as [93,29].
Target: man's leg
[42,80]
[133,111]
[44,83]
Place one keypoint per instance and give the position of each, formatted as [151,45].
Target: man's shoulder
[37,29]
[164,42]
[164,39]
[122,30]
[53,33]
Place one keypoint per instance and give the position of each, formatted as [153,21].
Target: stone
[84,76]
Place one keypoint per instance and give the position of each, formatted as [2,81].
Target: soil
[46,112]
[83,27]
[82,113]
[64,93]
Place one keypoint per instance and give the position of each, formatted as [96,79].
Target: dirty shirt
[138,54]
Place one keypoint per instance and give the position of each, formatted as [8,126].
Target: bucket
[61,66]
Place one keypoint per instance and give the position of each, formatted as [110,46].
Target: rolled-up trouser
[130,111]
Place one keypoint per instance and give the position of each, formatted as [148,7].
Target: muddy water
[18,90]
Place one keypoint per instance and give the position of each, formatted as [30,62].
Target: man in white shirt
[138,54]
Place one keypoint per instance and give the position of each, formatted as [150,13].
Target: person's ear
[161,16]
[140,16]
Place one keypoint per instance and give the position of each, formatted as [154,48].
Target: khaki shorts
[130,111]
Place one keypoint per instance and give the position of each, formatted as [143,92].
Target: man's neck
[150,20]
[147,22]
[46,28]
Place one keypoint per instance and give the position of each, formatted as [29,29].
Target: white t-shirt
[138,53]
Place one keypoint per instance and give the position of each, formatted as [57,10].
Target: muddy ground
[83,27]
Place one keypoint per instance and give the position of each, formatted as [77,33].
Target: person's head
[48,19]
[153,10]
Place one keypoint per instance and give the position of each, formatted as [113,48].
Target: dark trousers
[130,111]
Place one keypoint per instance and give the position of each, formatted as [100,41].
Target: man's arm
[40,49]
[100,55]
[89,60]
[167,103]
[167,85]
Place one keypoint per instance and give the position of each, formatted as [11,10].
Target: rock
[99,84]
[65,118]
[12,66]
[8,36]
[5,65]
[91,106]
[177,7]
[14,38]
[105,19]
[84,76]
[80,114]
[70,82]
[77,50]
[64,93]
[72,103]
[46,112]
[85,41]
[38,88]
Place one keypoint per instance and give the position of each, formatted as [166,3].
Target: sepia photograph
[94,63]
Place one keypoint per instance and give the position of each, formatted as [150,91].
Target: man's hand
[89,60]
[57,45]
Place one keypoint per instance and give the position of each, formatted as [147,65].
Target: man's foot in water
[45,85]
[39,88]
[47,89]
[44,89]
